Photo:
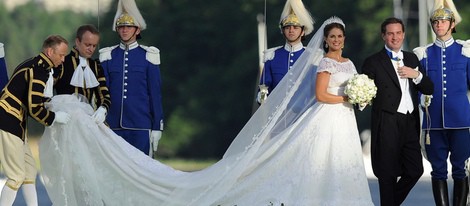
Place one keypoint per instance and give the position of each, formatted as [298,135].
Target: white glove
[262,97]
[100,115]
[262,94]
[426,100]
[61,117]
[155,136]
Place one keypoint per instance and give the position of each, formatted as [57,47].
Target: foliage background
[209,55]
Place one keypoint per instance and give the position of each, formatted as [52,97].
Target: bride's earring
[326,45]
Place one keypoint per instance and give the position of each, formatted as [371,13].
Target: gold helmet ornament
[290,20]
[125,20]
[128,14]
[444,10]
[442,14]
[295,14]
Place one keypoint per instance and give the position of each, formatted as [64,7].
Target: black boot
[460,191]
[440,192]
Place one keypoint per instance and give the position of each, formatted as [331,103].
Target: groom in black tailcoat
[395,148]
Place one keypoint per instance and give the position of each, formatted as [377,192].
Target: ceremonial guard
[3,68]
[446,119]
[133,77]
[24,95]
[80,74]
[295,24]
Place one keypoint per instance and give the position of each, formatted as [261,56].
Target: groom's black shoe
[440,192]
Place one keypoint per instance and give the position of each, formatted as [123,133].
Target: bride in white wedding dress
[293,151]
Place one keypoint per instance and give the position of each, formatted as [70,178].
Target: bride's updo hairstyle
[328,28]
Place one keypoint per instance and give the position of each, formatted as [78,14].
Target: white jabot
[48,90]
[83,76]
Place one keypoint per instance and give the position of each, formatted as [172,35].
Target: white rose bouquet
[360,90]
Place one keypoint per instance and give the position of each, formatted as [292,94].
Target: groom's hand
[407,72]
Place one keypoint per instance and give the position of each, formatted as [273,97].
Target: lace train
[87,164]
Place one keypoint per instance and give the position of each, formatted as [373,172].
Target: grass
[179,164]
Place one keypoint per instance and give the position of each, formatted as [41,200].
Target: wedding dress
[293,151]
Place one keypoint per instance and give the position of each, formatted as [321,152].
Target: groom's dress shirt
[406,103]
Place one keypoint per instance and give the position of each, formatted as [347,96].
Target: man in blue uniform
[447,116]
[295,24]
[24,95]
[3,68]
[133,77]
[80,74]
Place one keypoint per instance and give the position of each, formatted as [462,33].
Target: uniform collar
[131,46]
[45,62]
[74,52]
[444,44]
[294,48]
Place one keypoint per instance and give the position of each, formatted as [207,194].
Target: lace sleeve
[326,65]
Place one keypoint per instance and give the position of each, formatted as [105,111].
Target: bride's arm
[323,79]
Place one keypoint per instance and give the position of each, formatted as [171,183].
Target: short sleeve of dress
[326,65]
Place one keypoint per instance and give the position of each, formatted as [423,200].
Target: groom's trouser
[17,161]
[398,157]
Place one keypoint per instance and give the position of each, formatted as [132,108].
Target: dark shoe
[440,192]
[460,191]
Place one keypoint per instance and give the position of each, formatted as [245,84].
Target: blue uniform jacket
[278,61]
[449,69]
[133,79]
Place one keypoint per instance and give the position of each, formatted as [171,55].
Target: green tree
[24,29]
[209,57]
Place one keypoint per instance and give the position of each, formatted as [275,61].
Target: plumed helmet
[128,14]
[295,14]
[291,20]
[444,10]
[442,14]
[125,20]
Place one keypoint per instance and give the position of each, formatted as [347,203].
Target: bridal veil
[87,164]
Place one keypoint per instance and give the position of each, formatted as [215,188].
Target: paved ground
[420,195]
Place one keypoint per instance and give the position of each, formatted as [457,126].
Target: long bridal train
[87,164]
[293,150]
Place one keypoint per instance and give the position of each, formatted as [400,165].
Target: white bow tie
[83,76]
[397,55]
